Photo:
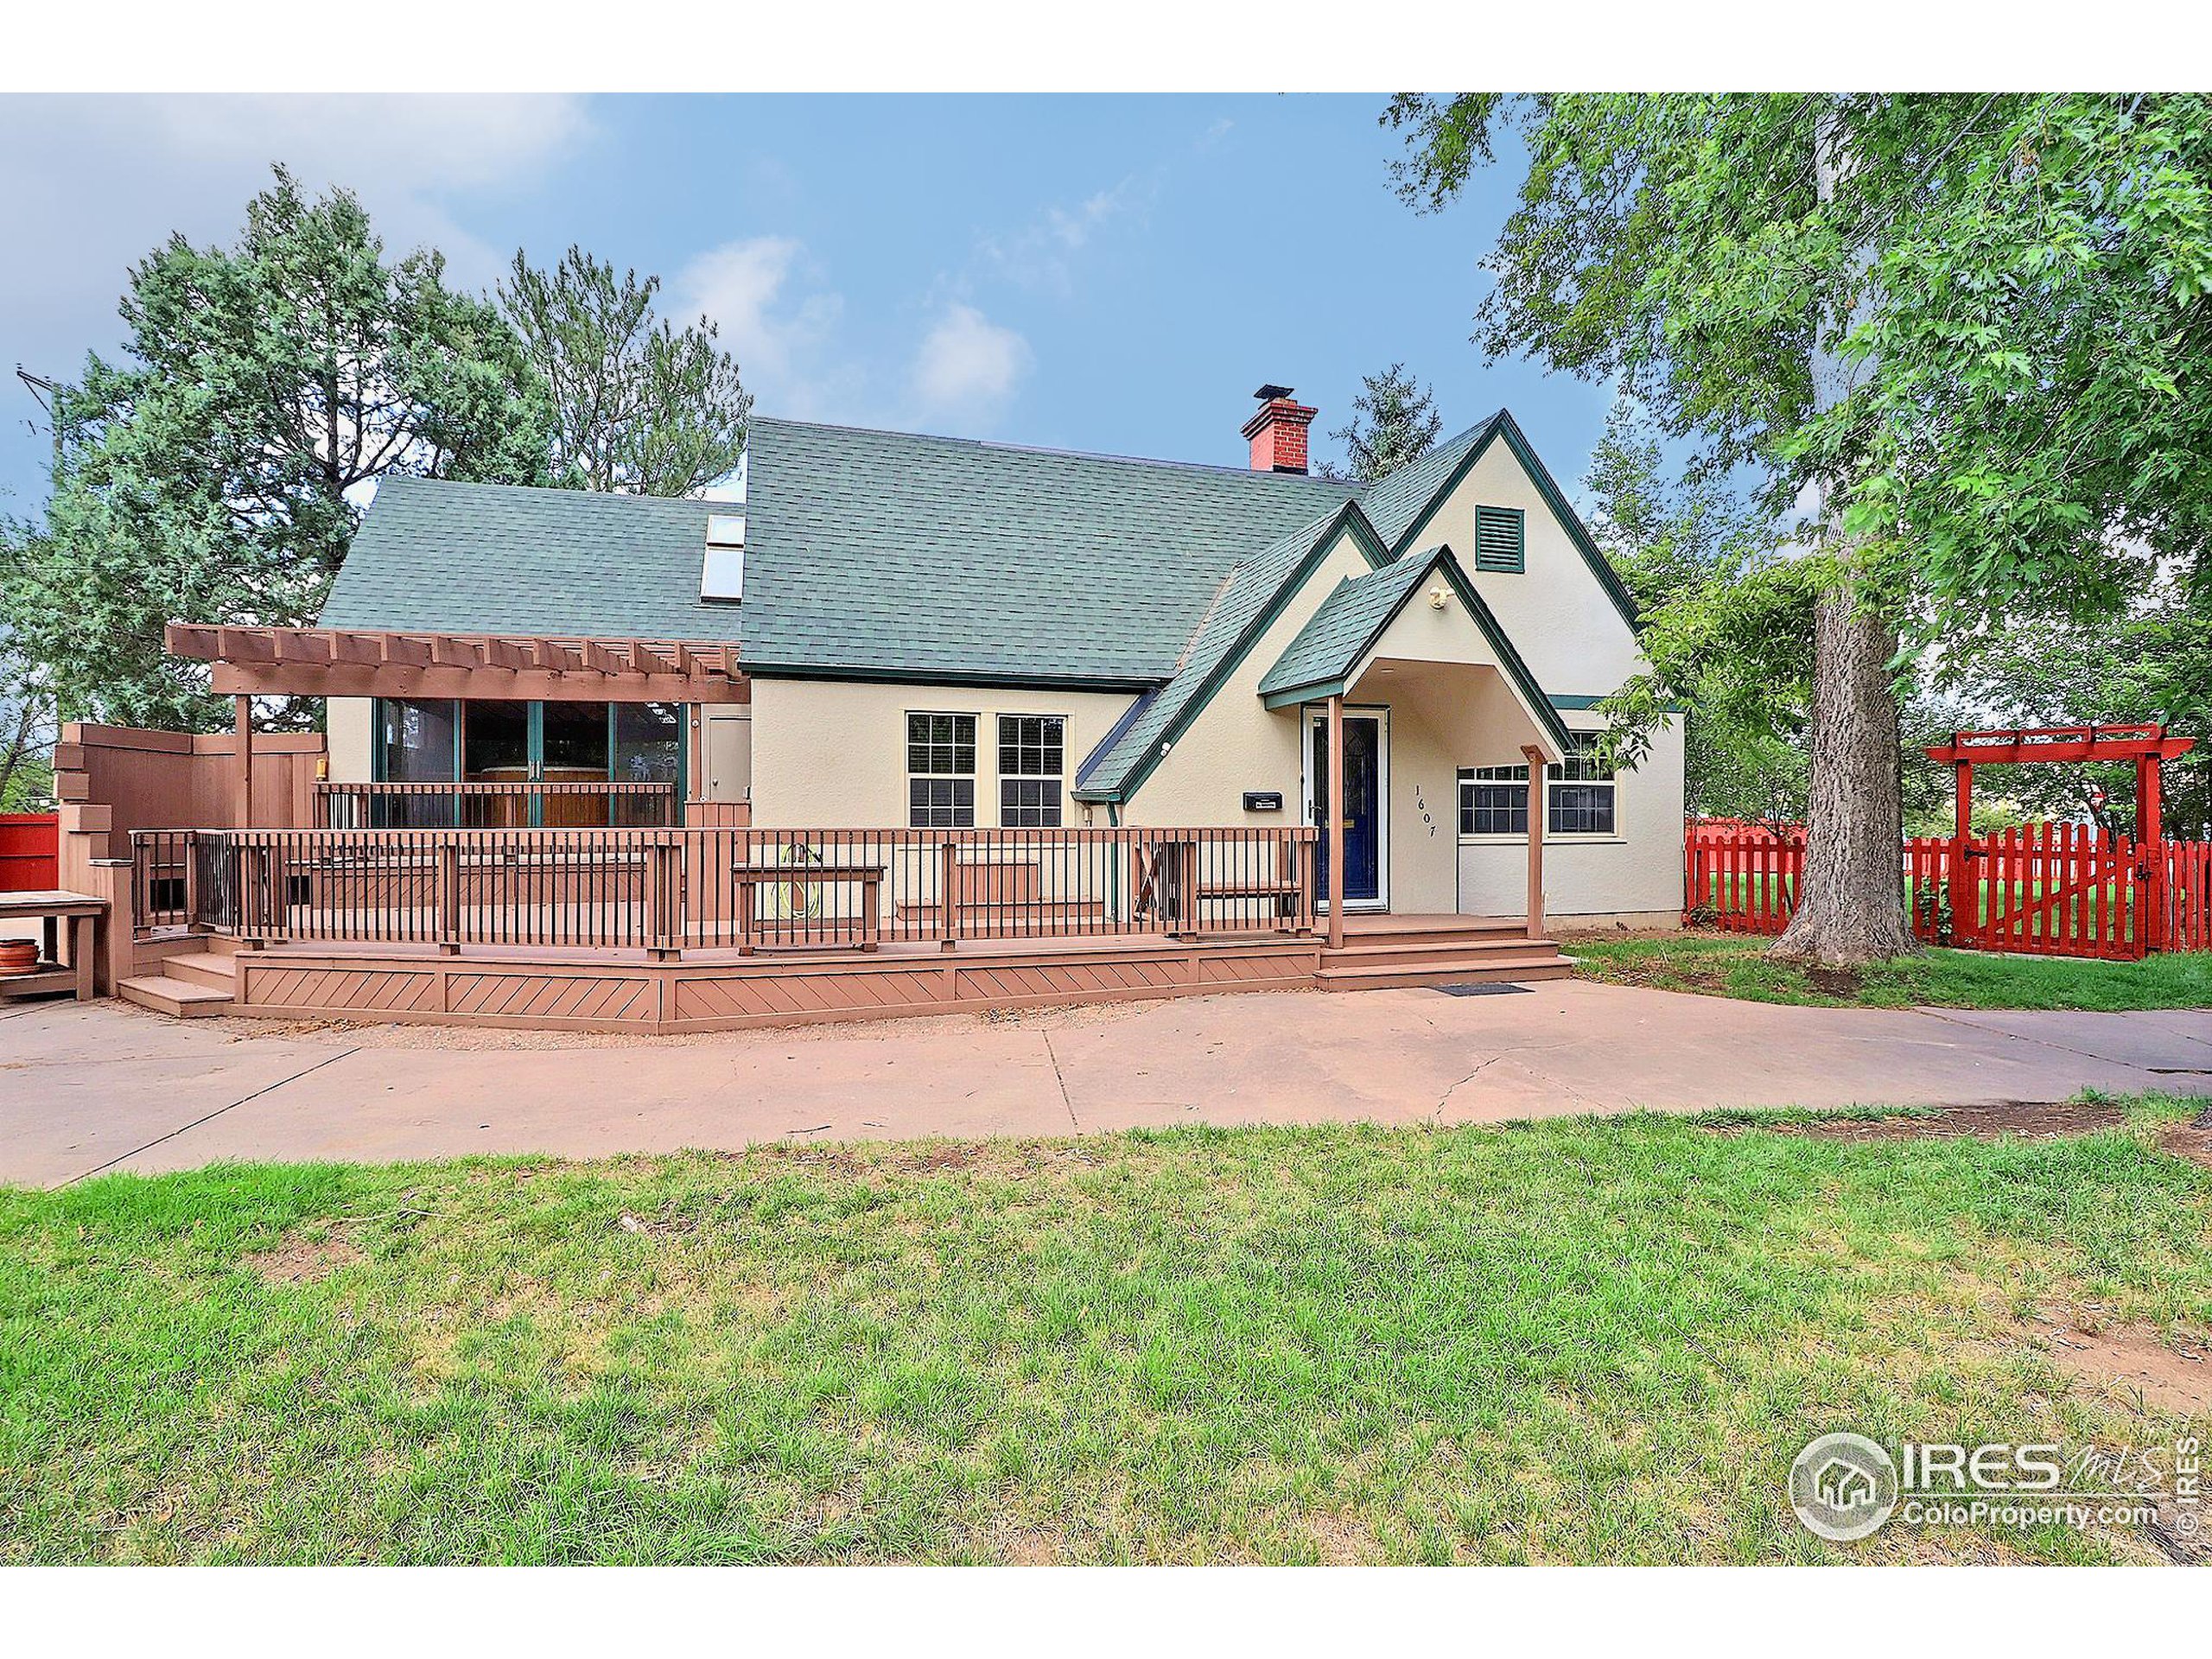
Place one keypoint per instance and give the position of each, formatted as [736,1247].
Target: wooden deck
[603,989]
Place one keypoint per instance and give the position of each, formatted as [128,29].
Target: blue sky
[1097,273]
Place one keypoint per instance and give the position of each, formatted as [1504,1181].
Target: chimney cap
[1268,394]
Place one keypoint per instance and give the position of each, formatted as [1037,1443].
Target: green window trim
[1501,540]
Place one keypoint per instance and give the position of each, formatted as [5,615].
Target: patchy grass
[1579,1340]
[1722,964]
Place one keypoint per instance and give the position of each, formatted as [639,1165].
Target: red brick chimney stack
[1278,431]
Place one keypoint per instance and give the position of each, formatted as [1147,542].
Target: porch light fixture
[1438,597]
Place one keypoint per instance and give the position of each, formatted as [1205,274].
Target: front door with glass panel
[1366,805]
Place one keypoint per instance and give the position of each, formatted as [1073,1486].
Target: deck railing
[667,890]
[494,806]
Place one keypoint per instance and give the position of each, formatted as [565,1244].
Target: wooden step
[1412,953]
[179,998]
[1500,969]
[206,967]
[1478,934]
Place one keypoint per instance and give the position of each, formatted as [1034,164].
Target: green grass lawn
[1730,964]
[1578,1340]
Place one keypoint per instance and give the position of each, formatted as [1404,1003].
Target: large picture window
[492,740]
[1578,796]
[1032,757]
[941,772]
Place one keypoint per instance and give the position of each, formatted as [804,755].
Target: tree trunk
[1852,911]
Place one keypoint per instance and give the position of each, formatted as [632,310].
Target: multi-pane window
[941,772]
[1579,795]
[1031,751]
[1494,801]
[1581,789]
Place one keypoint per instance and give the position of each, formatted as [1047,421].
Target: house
[921,693]
[942,633]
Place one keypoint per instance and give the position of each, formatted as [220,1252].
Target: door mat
[1484,988]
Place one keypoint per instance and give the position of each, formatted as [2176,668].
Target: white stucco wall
[1558,615]
[349,725]
[1637,873]
[1237,743]
[832,754]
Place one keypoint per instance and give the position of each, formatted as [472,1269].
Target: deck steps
[1390,954]
[181,999]
[215,970]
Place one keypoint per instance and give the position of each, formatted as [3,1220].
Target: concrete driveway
[104,1086]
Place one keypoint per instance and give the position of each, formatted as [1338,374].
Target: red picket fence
[30,851]
[2182,880]
[2041,890]
[1741,878]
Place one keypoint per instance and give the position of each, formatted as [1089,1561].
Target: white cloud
[969,365]
[784,341]
[93,184]
[1042,253]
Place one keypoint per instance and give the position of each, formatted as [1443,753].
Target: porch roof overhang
[1344,642]
[373,662]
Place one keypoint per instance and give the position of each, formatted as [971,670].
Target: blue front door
[1363,808]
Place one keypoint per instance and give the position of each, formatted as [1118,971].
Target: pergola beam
[359,662]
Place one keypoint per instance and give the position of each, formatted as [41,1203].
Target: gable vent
[722,574]
[1501,538]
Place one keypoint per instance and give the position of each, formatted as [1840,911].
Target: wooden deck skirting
[601,991]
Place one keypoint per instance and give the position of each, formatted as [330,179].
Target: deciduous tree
[1966,336]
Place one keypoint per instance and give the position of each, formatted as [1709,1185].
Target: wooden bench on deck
[749,879]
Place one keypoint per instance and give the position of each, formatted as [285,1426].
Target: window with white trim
[1579,795]
[1579,791]
[1494,800]
[941,772]
[1032,760]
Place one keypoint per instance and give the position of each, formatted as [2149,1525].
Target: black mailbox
[1263,800]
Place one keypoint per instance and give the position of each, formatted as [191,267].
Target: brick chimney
[1278,431]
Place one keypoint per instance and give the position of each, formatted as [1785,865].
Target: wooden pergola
[2143,746]
[253,662]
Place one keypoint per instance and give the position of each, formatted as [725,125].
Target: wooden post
[1536,919]
[450,899]
[245,761]
[192,880]
[1966,890]
[1337,822]
[660,895]
[947,920]
[2150,856]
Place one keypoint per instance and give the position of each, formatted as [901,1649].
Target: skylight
[722,575]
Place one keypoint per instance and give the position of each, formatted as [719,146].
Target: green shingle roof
[1242,599]
[496,558]
[1334,637]
[1394,500]
[888,553]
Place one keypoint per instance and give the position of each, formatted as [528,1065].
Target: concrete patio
[90,1088]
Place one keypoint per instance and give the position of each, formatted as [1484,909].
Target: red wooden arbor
[2059,889]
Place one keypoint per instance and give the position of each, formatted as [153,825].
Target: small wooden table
[749,879]
[83,913]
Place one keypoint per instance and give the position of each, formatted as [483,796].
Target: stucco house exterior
[940,632]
